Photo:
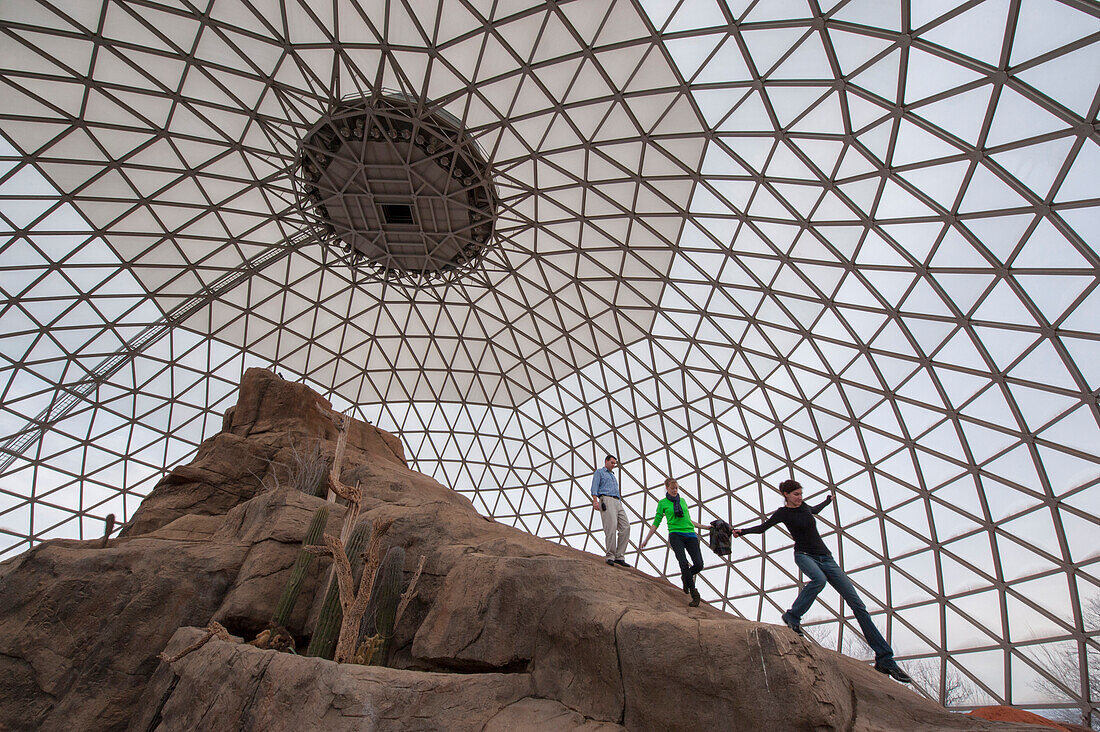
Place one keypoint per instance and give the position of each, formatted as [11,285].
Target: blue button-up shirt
[604,483]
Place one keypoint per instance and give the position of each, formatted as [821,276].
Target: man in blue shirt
[606,500]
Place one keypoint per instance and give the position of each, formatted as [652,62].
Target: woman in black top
[817,563]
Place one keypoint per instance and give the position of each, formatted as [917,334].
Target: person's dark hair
[609,457]
[789,486]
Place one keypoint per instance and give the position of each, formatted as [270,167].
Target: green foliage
[285,605]
[382,606]
[325,635]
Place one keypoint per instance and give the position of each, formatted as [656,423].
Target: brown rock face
[506,631]
[270,416]
[235,686]
[77,625]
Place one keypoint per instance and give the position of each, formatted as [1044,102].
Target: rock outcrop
[506,631]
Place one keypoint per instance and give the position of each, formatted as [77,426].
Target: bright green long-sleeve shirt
[665,509]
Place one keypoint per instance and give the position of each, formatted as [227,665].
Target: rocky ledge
[505,630]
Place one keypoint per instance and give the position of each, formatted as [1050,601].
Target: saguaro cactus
[353,602]
[323,642]
[285,605]
[382,607]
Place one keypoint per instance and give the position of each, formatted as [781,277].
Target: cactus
[353,601]
[367,649]
[323,642]
[382,608]
[281,616]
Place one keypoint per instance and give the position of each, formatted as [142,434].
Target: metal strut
[69,395]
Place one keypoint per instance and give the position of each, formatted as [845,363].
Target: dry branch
[342,422]
[214,629]
[408,594]
[354,498]
[108,527]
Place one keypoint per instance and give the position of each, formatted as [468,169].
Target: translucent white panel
[1078,535]
[1044,25]
[767,46]
[1060,79]
[929,75]
[1054,295]
[1019,118]
[690,54]
[778,10]
[1036,166]
[881,77]
[885,15]
[975,608]
[854,50]
[967,32]
[1003,305]
[807,61]
[987,192]
[1075,186]
[961,115]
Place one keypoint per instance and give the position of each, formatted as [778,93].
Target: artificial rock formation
[506,631]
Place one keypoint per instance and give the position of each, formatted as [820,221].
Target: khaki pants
[614,517]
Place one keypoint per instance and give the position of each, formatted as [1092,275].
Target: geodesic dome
[850,242]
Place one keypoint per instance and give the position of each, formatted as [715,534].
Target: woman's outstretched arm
[759,528]
[823,504]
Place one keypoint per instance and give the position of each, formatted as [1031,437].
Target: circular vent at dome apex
[398,187]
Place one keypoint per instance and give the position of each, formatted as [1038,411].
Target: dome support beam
[68,396]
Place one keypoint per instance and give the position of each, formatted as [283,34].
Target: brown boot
[694,598]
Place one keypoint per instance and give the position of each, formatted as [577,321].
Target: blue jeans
[821,568]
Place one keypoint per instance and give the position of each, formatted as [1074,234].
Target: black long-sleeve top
[802,525]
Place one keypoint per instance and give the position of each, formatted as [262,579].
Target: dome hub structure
[398,187]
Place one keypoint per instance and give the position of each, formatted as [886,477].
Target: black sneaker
[694,598]
[621,563]
[896,672]
[611,562]
[791,623]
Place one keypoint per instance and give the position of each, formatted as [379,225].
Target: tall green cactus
[382,606]
[281,616]
[325,634]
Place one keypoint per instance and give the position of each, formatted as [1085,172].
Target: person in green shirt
[681,536]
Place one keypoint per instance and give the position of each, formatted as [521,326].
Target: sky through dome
[854,242]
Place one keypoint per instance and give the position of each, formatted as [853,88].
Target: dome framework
[854,242]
